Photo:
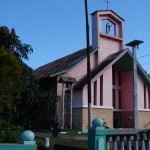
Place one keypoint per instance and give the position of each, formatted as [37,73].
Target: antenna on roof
[107,1]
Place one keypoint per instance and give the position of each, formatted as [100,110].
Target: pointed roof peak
[107,12]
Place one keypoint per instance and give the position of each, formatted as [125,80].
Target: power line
[143,56]
[146,63]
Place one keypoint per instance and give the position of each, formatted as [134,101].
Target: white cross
[107,1]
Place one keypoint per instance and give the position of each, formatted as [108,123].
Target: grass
[69,139]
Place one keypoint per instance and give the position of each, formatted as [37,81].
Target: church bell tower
[107,33]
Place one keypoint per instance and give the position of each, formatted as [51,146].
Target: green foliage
[9,133]
[21,98]
[33,98]
[10,71]
[53,98]
[47,107]
[10,41]
[12,51]
[36,105]
[105,124]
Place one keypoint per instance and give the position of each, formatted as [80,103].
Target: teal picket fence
[17,147]
[100,138]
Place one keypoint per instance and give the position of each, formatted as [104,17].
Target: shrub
[9,133]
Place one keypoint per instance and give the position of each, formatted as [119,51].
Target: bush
[9,133]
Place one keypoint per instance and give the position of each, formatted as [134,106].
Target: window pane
[95,93]
[114,98]
[101,90]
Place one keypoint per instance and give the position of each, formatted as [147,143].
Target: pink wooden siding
[81,69]
[117,87]
[127,90]
[77,99]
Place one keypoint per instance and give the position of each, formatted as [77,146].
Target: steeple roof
[107,11]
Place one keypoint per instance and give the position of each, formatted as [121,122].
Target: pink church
[111,79]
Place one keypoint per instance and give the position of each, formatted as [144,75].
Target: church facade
[111,79]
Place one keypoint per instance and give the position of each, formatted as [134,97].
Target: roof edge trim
[107,11]
[63,71]
[113,62]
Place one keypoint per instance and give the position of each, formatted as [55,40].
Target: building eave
[66,70]
[107,11]
[109,61]
[140,70]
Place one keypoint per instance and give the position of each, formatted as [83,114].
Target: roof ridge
[60,58]
[107,61]
[61,65]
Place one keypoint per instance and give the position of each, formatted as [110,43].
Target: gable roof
[62,65]
[108,11]
[122,58]
[99,68]
[126,63]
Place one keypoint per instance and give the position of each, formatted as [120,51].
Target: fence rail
[122,142]
[27,142]
[100,138]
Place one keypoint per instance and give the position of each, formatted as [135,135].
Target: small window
[113,75]
[101,90]
[96,58]
[144,96]
[95,93]
[114,98]
[119,96]
[119,79]
[149,98]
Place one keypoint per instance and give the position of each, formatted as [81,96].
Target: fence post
[108,143]
[148,140]
[115,142]
[143,141]
[136,141]
[95,140]
[129,142]
[99,137]
[27,139]
[122,141]
[46,142]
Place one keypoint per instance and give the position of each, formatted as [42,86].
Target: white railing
[136,141]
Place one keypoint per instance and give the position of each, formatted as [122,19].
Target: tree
[12,51]
[32,97]
[10,72]
[10,41]
[21,97]
[37,104]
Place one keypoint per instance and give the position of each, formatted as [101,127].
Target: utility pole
[88,68]
[134,44]
[62,106]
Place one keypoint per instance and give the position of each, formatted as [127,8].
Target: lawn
[72,138]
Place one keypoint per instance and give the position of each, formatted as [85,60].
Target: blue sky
[55,28]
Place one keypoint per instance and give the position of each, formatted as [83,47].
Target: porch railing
[100,138]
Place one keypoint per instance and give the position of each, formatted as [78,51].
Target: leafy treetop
[10,41]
